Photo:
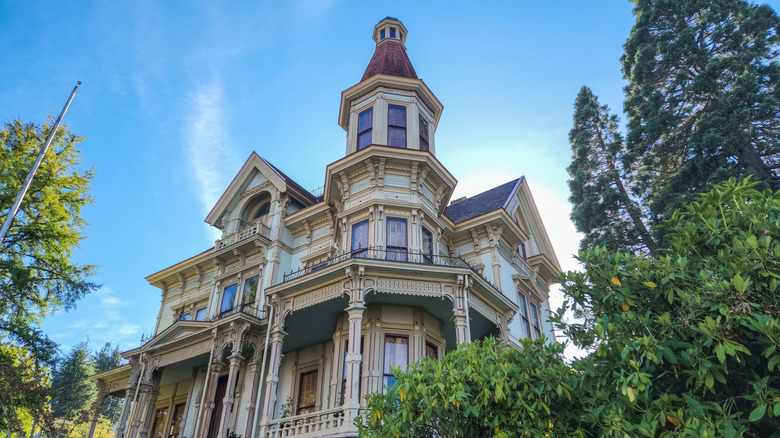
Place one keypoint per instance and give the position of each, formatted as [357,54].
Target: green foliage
[37,275]
[105,359]
[602,207]
[703,105]
[73,391]
[687,343]
[482,389]
[24,390]
[703,99]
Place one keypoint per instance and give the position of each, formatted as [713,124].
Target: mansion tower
[307,300]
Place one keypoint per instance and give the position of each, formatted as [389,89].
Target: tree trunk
[749,157]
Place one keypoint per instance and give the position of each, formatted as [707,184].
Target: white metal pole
[26,185]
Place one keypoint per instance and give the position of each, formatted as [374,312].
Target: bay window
[228,299]
[396,126]
[427,246]
[250,291]
[524,315]
[423,134]
[396,355]
[396,240]
[365,125]
[535,320]
[360,239]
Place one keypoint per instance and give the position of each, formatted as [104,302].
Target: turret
[390,106]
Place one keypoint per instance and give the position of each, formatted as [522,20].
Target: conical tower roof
[390,55]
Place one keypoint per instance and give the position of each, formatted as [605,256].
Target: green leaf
[757,413]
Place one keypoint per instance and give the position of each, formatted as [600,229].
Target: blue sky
[176,95]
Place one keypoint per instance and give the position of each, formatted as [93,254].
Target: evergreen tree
[72,389]
[105,359]
[703,97]
[603,207]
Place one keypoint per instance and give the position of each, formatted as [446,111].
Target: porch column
[138,411]
[269,401]
[227,402]
[120,428]
[254,392]
[354,359]
[460,310]
[208,406]
[149,417]
[97,407]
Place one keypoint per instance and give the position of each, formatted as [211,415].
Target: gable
[522,208]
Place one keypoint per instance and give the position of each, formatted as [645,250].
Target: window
[365,123]
[396,126]
[535,320]
[524,315]
[307,393]
[431,351]
[200,315]
[396,355]
[228,299]
[427,246]
[360,239]
[396,239]
[382,34]
[392,32]
[250,290]
[521,250]
[423,134]
[160,420]
[176,422]
[184,316]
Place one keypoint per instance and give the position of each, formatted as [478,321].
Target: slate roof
[289,181]
[485,202]
[390,58]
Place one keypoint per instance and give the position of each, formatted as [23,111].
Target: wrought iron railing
[393,255]
[254,309]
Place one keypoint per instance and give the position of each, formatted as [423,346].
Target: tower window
[382,34]
[396,239]
[360,239]
[392,32]
[396,126]
[423,134]
[365,123]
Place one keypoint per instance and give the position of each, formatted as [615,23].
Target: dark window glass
[262,211]
[319,267]
[176,422]
[522,251]
[431,351]
[160,420]
[200,315]
[228,299]
[524,315]
[382,34]
[360,239]
[427,246]
[396,355]
[365,123]
[392,32]
[396,126]
[184,317]
[396,239]
[307,393]
[423,134]
[250,289]
[535,320]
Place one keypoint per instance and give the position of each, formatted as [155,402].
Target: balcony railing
[257,229]
[393,255]
[322,423]
[253,309]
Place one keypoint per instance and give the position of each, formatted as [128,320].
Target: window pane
[382,34]
[396,137]
[178,417]
[360,239]
[423,134]
[364,139]
[307,393]
[228,298]
[366,120]
[396,115]
[431,351]
[392,32]
[535,320]
[250,289]
[200,315]
[427,246]
[396,239]
[524,315]
[160,420]
[184,317]
[396,353]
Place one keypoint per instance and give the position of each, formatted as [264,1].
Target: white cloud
[207,143]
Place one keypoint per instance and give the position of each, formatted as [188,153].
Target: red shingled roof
[390,59]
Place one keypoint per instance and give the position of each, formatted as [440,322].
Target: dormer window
[396,126]
[256,209]
[365,123]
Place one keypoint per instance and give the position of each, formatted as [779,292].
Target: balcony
[391,255]
[317,424]
[256,229]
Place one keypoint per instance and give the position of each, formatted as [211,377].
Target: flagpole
[18,202]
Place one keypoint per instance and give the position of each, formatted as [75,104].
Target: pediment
[178,332]
[255,175]
[523,208]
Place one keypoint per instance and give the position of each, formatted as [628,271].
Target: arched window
[256,209]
